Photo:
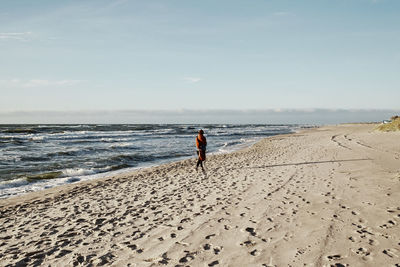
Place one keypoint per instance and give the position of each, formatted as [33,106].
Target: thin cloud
[19,36]
[192,79]
[37,83]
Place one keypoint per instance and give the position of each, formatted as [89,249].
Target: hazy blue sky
[209,54]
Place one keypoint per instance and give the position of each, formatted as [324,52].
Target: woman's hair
[201,132]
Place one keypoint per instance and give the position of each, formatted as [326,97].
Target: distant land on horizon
[191,116]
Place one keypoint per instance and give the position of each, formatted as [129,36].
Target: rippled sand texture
[323,197]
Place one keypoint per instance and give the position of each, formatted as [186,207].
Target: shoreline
[46,184]
[320,196]
[125,172]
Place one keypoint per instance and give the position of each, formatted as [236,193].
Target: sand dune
[323,197]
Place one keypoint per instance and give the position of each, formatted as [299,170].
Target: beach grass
[392,126]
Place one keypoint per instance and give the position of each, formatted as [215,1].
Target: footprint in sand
[364,253]
[248,243]
[213,263]
[389,224]
[254,252]
[338,265]
[354,212]
[352,239]
[334,257]
[207,247]
[209,236]
[165,259]
[393,209]
[217,250]
[188,257]
[373,242]
[251,231]
[393,253]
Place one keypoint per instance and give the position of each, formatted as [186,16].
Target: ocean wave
[232,143]
[43,176]
[34,158]
[119,167]
[77,172]
[21,185]
[123,145]
[12,158]
[13,183]
[17,141]
[82,152]
[20,130]
[116,140]
[63,153]
[79,151]
[132,158]
[37,138]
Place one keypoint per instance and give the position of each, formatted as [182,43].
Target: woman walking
[201,144]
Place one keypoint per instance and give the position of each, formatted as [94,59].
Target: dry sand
[323,197]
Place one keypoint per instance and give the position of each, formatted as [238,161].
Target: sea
[36,157]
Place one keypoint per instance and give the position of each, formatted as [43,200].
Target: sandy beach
[327,196]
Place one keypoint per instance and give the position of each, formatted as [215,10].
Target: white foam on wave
[122,144]
[38,138]
[235,145]
[22,186]
[67,135]
[77,172]
[13,158]
[121,139]
[12,183]
[163,131]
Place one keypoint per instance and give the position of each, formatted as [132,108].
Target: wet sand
[328,196]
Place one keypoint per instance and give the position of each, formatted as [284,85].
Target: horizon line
[180,110]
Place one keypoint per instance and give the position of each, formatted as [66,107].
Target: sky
[63,60]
